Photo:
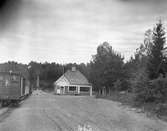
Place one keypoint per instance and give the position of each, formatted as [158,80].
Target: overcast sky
[70,30]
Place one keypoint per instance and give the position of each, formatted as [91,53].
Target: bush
[158,89]
[161,109]
[117,85]
[121,85]
[149,91]
[125,86]
[139,85]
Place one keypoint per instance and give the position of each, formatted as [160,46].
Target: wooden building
[73,82]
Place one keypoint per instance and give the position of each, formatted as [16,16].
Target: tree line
[144,74]
[50,72]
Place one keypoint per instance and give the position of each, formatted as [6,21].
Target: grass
[151,109]
[124,97]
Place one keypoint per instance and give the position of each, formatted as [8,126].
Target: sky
[64,31]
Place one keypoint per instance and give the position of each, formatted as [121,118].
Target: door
[58,91]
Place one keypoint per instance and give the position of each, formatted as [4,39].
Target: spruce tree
[155,61]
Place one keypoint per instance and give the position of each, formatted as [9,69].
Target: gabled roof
[62,81]
[76,78]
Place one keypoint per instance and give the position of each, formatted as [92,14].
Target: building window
[72,88]
[84,89]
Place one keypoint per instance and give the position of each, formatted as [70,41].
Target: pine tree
[156,57]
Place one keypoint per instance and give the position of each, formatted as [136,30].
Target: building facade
[73,82]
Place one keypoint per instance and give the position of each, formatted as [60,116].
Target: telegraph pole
[38,79]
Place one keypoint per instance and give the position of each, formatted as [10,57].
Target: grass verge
[155,110]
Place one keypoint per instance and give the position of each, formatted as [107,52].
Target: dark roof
[76,78]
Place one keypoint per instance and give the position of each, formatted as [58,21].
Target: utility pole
[63,69]
[38,79]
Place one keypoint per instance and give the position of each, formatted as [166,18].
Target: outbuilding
[73,82]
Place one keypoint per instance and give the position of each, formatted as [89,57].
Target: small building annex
[73,82]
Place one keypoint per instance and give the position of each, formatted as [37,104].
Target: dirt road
[47,112]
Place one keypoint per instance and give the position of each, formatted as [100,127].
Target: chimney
[73,68]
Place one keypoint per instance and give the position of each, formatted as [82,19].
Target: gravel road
[47,112]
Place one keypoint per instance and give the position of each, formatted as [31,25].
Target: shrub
[160,109]
[117,85]
[125,85]
[139,85]
[149,91]
[158,89]
[121,85]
